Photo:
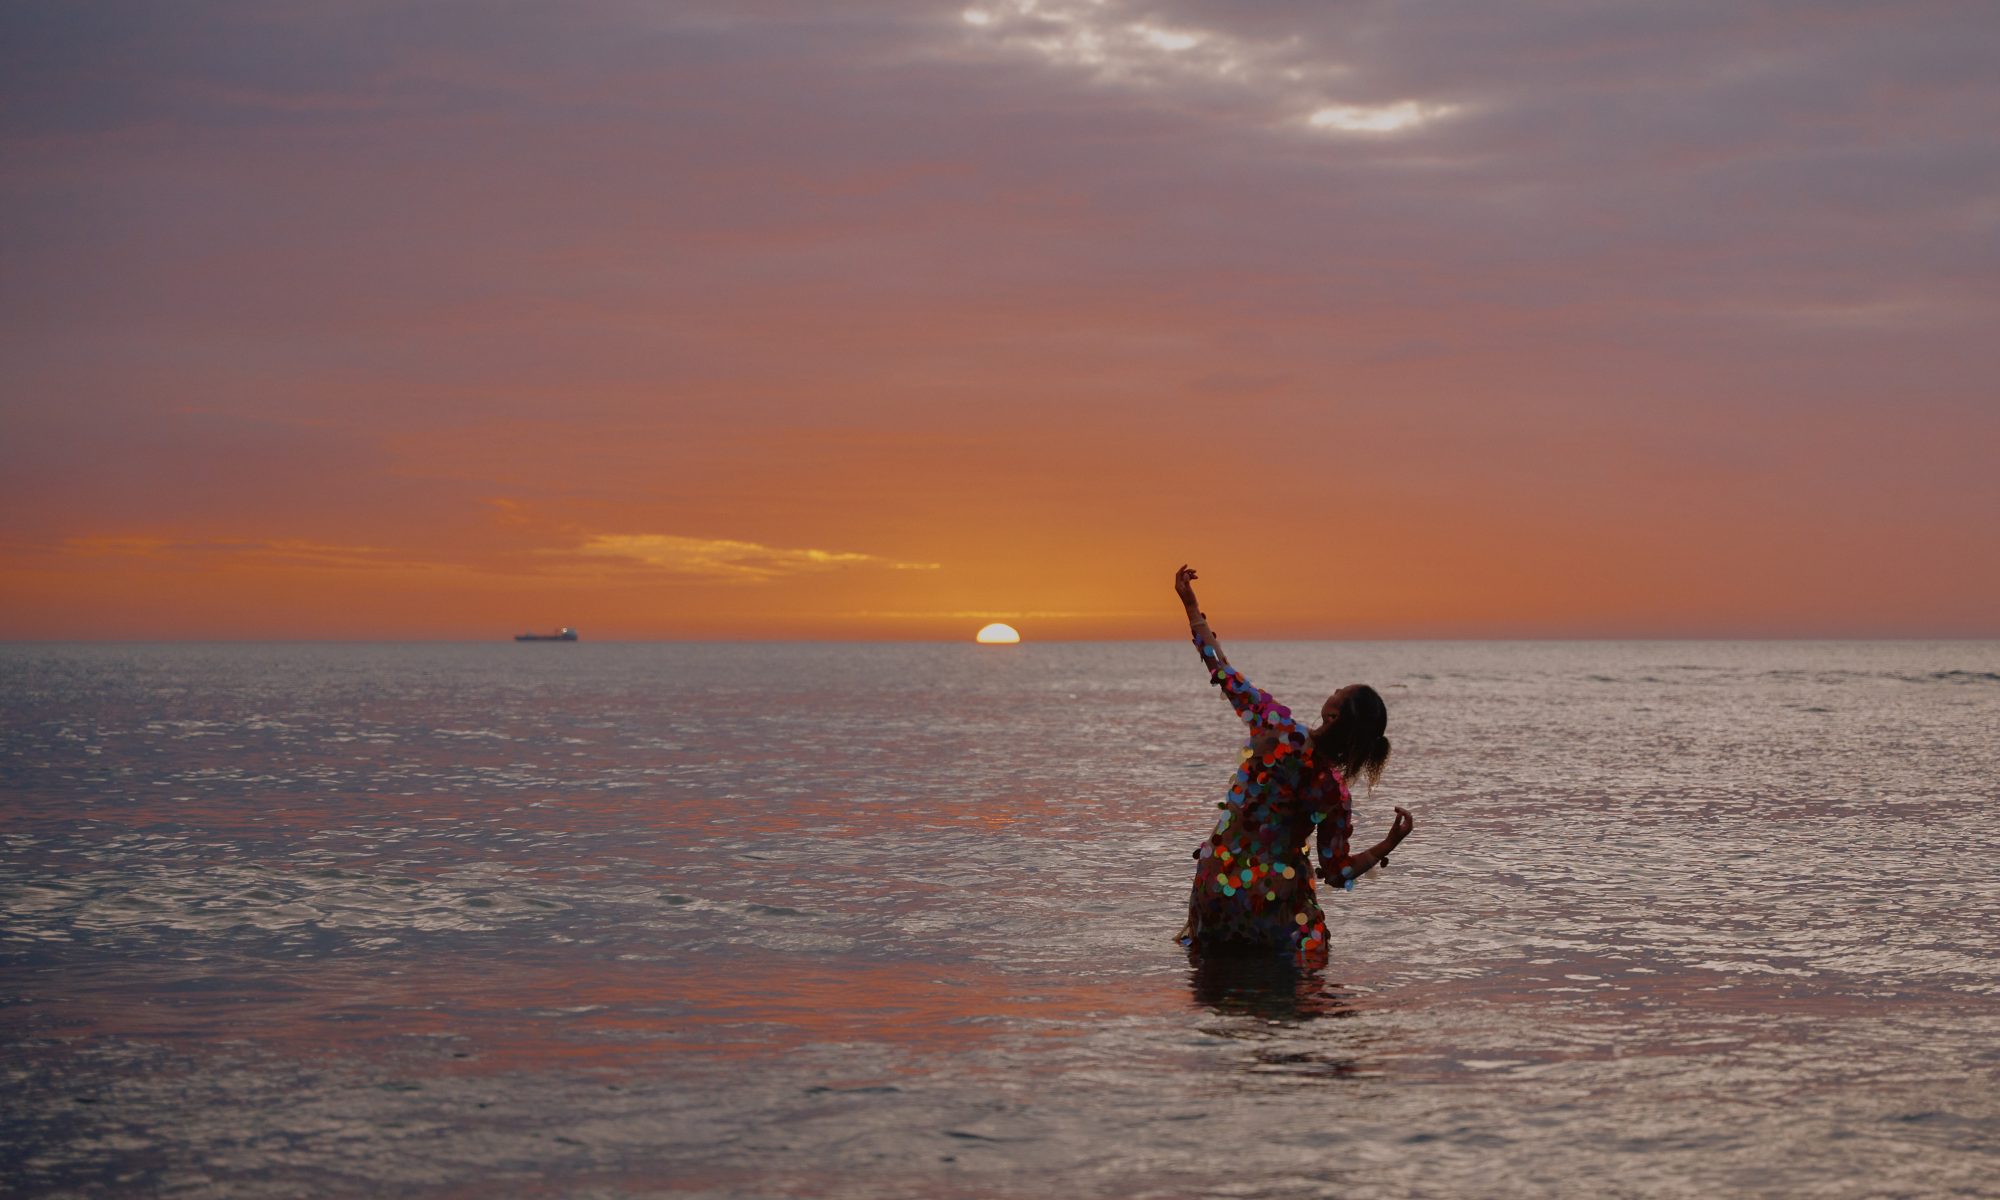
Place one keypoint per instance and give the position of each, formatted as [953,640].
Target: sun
[997,634]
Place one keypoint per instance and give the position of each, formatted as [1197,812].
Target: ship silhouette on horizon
[565,634]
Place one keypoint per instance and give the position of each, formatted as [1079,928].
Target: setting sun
[997,634]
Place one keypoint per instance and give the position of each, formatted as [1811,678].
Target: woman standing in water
[1253,886]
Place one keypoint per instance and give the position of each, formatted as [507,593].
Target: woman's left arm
[1341,868]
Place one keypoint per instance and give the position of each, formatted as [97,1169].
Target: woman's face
[1330,711]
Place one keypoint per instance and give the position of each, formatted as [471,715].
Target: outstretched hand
[1184,585]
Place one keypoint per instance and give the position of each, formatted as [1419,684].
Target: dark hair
[1355,743]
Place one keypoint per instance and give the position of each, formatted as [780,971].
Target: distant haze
[887,320]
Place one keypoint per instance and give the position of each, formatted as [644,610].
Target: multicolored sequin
[1254,883]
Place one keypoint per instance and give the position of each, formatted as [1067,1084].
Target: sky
[885,319]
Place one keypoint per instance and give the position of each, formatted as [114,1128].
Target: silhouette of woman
[1253,883]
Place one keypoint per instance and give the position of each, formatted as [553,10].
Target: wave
[1952,676]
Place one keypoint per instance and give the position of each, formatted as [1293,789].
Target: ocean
[746,920]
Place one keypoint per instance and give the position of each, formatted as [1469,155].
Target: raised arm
[1266,717]
[1204,637]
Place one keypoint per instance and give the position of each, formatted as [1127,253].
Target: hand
[1401,827]
[1184,585]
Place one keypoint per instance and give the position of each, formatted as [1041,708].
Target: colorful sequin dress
[1254,884]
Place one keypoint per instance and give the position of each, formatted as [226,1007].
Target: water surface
[880,921]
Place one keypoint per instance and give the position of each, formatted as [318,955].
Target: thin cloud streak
[723,559]
[1001,614]
[208,553]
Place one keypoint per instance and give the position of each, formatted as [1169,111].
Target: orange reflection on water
[579,1012]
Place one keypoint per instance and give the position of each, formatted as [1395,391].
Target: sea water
[1678,919]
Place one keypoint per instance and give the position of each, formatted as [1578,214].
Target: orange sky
[743,322]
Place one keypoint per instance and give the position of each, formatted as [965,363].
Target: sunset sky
[888,319]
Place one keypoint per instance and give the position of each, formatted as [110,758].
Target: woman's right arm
[1266,716]
[1204,637]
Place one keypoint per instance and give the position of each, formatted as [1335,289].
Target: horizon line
[508,639]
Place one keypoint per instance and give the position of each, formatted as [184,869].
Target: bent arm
[1330,830]
[1340,868]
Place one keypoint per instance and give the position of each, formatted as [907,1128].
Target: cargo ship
[565,634]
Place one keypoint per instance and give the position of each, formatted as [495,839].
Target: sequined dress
[1254,882]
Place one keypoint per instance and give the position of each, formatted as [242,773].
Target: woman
[1254,885]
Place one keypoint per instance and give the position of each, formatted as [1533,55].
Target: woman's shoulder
[1325,780]
[1337,787]
[1282,740]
